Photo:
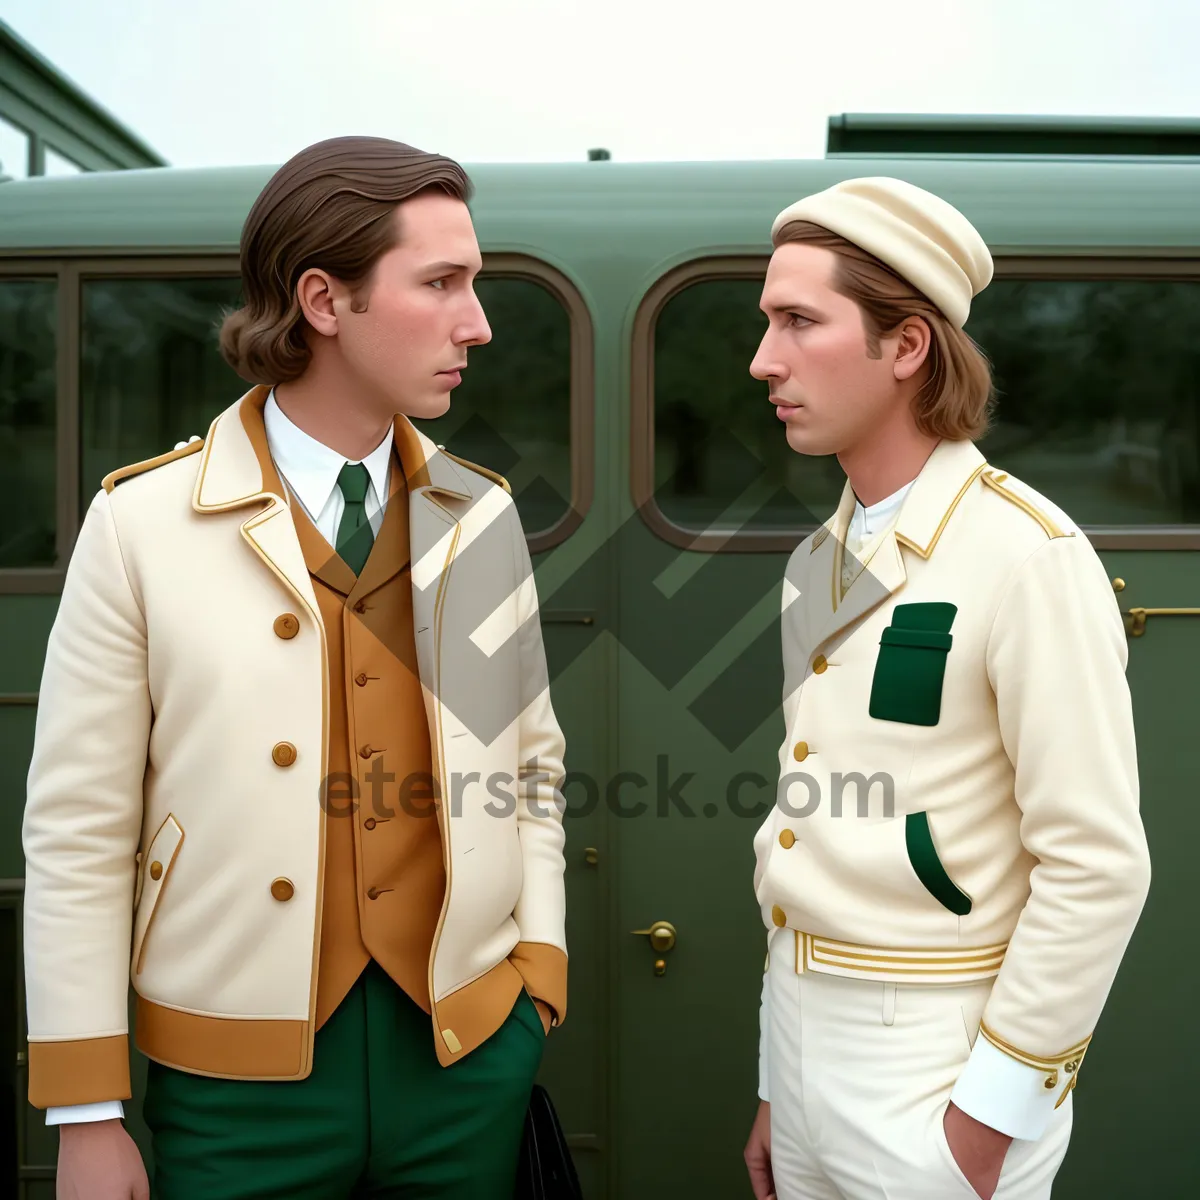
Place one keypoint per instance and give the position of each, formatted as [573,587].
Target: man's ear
[316,291]
[912,347]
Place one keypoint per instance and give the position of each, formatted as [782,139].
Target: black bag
[545,1170]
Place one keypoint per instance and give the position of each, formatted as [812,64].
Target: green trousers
[377,1117]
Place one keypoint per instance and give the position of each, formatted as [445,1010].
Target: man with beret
[955,862]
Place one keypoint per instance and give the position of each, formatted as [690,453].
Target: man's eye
[795,320]
[437,282]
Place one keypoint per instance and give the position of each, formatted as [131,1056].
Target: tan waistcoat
[384,879]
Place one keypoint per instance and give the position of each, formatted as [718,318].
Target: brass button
[779,916]
[287,626]
[361,679]
[282,889]
[372,893]
[284,754]
[787,839]
[800,753]
[819,664]
[365,751]
[156,870]
[369,823]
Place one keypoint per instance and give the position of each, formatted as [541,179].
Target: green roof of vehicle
[1039,203]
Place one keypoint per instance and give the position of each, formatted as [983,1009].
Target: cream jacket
[176,729]
[958,792]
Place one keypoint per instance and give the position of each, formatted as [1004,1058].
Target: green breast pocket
[907,684]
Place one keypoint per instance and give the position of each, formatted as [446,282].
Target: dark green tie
[354,535]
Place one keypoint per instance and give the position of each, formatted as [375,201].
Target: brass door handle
[662,938]
[1135,618]
[661,935]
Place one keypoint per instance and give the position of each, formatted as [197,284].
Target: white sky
[253,81]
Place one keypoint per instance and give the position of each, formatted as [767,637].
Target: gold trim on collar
[1052,530]
[926,551]
[494,476]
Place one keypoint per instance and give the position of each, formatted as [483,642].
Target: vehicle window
[1098,406]
[151,374]
[512,411]
[720,454]
[1099,394]
[28,424]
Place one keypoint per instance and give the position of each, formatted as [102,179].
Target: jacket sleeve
[1056,659]
[81,827]
[541,955]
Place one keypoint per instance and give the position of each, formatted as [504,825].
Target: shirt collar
[309,467]
[879,514]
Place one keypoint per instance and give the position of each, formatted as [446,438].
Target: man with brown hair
[955,862]
[296,770]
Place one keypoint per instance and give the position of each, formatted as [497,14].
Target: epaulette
[494,476]
[818,538]
[111,480]
[995,480]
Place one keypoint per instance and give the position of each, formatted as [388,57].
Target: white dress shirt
[309,470]
[866,526]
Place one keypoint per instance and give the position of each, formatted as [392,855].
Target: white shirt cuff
[1006,1094]
[70,1114]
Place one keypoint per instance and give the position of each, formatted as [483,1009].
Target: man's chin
[807,441]
[426,408]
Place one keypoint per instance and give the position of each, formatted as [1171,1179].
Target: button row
[802,750]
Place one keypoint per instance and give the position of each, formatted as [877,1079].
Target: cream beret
[921,237]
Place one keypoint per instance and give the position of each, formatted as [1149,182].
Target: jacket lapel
[880,575]
[231,476]
[439,496]
[948,473]
[236,471]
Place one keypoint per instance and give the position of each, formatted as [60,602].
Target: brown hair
[955,401]
[330,206]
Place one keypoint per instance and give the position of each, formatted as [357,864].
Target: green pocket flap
[911,666]
[932,614]
[925,861]
[926,639]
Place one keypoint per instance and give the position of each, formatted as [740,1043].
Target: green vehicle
[661,501]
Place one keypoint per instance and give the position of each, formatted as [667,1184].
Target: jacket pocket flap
[155,867]
[926,639]
[925,614]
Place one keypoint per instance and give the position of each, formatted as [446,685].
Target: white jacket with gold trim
[958,786]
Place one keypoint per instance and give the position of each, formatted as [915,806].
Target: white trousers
[859,1075]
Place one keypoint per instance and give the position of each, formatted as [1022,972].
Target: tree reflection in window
[28,452]
[152,375]
[1099,394]
[1099,404]
[512,411]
